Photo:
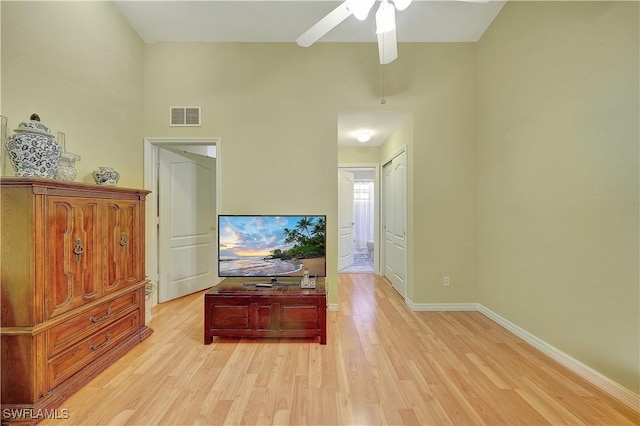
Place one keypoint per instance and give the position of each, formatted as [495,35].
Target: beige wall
[275,107]
[358,155]
[442,170]
[558,186]
[80,67]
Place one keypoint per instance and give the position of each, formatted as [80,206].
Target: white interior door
[400,225]
[187,244]
[389,222]
[345,219]
[395,226]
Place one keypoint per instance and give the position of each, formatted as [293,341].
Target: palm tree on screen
[308,238]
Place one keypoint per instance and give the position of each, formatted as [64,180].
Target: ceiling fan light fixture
[385,18]
[360,8]
[402,4]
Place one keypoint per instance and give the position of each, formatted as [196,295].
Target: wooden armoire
[73,288]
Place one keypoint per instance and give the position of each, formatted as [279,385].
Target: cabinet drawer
[299,317]
[69,332]
[82,353]
[226,312]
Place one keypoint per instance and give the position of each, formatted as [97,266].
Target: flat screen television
[271,245]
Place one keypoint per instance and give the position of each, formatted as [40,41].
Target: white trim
[604,383]
[183,141]
[434,307]
[333,307]
[151,247]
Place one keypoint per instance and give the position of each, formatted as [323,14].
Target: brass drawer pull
[96,347]
[93,318]
[78,250]
[123,241]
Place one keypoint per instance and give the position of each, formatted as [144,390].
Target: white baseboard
[607,385]
[434,307]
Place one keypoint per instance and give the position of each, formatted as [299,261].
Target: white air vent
[184,116]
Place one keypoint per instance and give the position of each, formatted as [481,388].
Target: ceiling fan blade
[324,25]
[387,47]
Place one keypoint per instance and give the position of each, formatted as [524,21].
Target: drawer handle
[96,347]
[78,250]
[93,319]
[123,241]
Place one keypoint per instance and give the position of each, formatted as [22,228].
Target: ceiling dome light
[363,137]
[385,18]
[402,4]
[360,8]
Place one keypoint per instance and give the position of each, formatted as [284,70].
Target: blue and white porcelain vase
[106,176]
[32,150]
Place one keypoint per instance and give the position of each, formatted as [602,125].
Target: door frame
[152,148]
[376,206]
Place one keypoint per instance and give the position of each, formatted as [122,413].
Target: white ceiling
[158,21]
[284,21]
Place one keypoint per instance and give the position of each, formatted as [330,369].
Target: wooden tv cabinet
[232,309]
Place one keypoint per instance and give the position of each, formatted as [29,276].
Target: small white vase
[106,176]
[67,167]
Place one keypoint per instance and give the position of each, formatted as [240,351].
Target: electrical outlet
[445,282]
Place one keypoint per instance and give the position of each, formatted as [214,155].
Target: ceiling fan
[385,23]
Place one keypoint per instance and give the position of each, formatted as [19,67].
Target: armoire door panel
[123,257]
[72,245]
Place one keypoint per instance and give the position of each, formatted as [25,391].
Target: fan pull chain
[383,100]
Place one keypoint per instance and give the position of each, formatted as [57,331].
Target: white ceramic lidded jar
[32,150]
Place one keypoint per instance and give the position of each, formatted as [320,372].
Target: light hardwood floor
[383,364]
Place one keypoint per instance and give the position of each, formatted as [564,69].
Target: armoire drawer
[82,353]
[71,331]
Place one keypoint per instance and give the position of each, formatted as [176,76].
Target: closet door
[389,210]
[395,222]
[72,252]
[123,244]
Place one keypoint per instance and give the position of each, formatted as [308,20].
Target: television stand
[234,309]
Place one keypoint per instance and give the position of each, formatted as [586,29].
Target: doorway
[357,212]
[181,254]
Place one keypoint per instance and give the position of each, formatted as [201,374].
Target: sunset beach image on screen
[270,246]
